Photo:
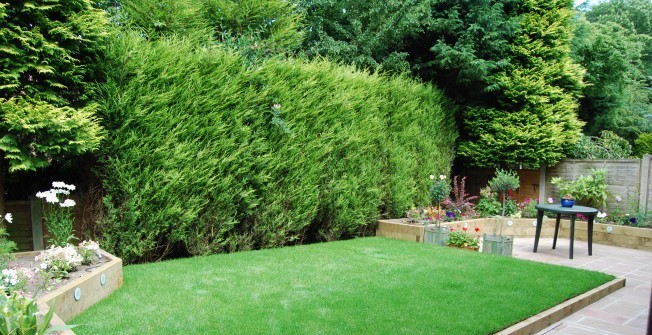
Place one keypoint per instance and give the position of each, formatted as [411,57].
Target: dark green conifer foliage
[48,48]
[48,53]
[536,115]
[613,41]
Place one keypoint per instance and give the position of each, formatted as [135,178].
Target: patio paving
[624,312]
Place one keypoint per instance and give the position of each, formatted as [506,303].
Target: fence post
[645,183]
[37,225]
[542,185]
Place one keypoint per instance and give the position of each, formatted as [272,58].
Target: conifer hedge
[206,154]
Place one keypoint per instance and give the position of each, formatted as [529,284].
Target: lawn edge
[552,315]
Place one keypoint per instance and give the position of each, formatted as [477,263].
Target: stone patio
[624,312]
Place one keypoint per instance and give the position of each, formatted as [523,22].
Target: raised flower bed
[609,234]
[80,293]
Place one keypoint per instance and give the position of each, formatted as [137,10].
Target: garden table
[590,213]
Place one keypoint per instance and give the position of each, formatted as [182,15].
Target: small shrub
[488,204]
[608,146]
[503,182]
[589,190]
[460,204]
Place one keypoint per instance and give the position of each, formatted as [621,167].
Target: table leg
[538,229]
[554,240]
[572,235]
[590,226]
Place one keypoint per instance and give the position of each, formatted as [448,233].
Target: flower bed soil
[80,290]
[26,260]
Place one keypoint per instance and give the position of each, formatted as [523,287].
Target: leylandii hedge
[207,154]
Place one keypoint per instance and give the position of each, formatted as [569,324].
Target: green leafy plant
[7,247]
[461,238]
[488,204]
[643,144]
[57,215]
[608,146]
[20,316]
[89,251]
[589,190]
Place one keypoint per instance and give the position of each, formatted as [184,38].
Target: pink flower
[550,200]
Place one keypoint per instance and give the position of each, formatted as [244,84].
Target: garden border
[609,234]
[92,288]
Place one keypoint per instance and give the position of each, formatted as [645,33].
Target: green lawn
[363,286]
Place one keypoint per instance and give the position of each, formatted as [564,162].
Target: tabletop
[556,208]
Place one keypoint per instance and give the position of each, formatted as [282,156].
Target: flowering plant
[461,238]
[90,251]
[567,196]
[15,279]
[57,215]
[415,214]
[59,261]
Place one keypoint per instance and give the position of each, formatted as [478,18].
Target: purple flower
[632,220]
[450,215]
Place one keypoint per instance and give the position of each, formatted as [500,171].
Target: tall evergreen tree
[47,52]
[613,41]
[537,101]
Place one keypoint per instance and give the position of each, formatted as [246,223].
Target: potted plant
[462,239]
[503,182]
[439,191]
[567,200]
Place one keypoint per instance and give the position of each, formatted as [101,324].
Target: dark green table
[589,212]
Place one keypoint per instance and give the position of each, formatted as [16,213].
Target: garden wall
[628,179]
[624,178]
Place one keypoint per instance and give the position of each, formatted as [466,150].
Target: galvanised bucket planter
[437,235]
[498,244]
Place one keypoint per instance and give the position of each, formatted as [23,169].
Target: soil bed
[26,260]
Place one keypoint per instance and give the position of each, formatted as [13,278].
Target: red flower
[477,229]
[465,229]
[451,229]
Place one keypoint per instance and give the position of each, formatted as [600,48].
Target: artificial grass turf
[362,286]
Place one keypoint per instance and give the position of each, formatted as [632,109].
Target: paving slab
[623,312]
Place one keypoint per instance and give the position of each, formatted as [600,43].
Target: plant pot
[567,203]
[436,235]
[498,244]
